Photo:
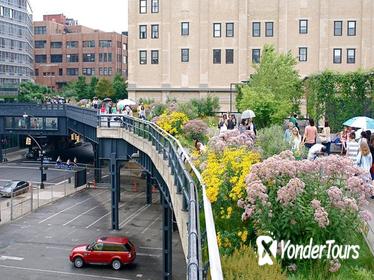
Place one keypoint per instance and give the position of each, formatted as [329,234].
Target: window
[303,26]
[216,30]
[269,26]
[51,123]
[56,58]
[351,56]
[256,29]
[154,28]
[142,31]
[229,56]
[154,57]
[337,59]
[56,45]
[185,55]
[36,123]
[40,58]
[105,57]
[185,28]
[40,30]
[216,56]
[256,56]
[154,6]
[40,44]
[88,57]
[72,58]
[88,71]
[229,29]
[303,54]
[72,44]
[338,28]
[89,44]
[72,71]
[105,43]
[60,72]
[142,6]
[351,28]
[143,57]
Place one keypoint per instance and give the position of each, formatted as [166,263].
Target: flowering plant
[297,200]
[232,138]
[195,129]
[173,122]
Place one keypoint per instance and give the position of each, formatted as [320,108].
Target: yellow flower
[239,233]
[244,236]
[219,240]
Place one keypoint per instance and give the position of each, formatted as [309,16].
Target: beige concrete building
[192,48]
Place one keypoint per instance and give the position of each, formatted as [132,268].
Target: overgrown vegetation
[270,141]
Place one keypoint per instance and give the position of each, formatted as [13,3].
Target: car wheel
[116,264]
[78,262]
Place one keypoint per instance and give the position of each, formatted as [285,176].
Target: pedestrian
[103,109]
[75,161]
[199,146]
[58,162]
[315,150]
[364,158]
[295,140]
[288,132]
[344,135]
[231,123]
[325,137]
[310,134]
[223,123]
[142,112]
[352,147]
[95,103]
[371,146]
[251,126]
[68,163]
[243,125]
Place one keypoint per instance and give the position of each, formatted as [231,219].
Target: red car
[105,250]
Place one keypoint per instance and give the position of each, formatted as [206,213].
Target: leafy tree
[119,87]
[274,90]
[81,88]
[30,92]
[92,87]
[104,88]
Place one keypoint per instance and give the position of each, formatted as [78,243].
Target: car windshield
[9,185]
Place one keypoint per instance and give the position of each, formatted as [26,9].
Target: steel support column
[167,238]
[118,182]
[149,189]
[114,181]
[97,162]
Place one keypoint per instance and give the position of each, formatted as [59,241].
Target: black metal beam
[167,239]
[149,189]
[114,181]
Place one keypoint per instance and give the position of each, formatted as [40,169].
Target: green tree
[119,87]
[274,90]
[30,92]
[104,88]
[92,87]
[81,88]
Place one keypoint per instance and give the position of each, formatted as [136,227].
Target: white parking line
[80,215]
[3,258]
[150,248]
[61,182]
[107,214]
[54,215]
[62,272]
[151,224]
[134,215]
[148,255]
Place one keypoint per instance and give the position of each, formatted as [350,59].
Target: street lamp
[42,175]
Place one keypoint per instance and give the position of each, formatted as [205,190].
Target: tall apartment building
[64,50]
[16,50]
[192,48]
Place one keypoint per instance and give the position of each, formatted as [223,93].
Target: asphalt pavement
[37,246]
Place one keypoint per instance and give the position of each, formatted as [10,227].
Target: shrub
[242,264]
[195,129]
[172,123]
[188,109]
[270,141]
[232,138]
[297,200]
[206,106]
[158,110]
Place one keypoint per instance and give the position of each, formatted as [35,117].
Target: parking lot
[37,246]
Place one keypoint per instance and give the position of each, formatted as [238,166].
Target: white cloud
[106,15]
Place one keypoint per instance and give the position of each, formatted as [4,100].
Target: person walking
[295,140]
[325,137]
[352,147]
[231,123]
[288,132]
[293,119]
[364,158]
[310,134]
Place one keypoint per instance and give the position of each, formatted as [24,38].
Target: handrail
[194,265]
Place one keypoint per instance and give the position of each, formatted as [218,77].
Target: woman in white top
[364,158]
[325,137]
[295,139]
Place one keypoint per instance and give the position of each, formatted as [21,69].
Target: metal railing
[189,183]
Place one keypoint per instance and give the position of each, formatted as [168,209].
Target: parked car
[17,187]
[112,250]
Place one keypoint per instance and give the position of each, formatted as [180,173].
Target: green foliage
[104,88]
[119,87]
[270,141]
[146,101]
[158,110]
[274,90]
[243,265]
[196,130]
[351,92]
[188,109]
[206,107]
[30,92]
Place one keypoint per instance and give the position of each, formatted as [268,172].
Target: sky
[106,15]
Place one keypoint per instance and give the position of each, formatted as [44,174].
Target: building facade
[64,50]
[16,49]
[193,48]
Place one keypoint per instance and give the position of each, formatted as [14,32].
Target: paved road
[37,246]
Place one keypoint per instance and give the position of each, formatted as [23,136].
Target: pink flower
[321,217]
[334,266]
[288,194]
[316,203]
[292,267]
[366,215]
[335,195]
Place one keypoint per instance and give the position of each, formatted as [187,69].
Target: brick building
[64,50]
